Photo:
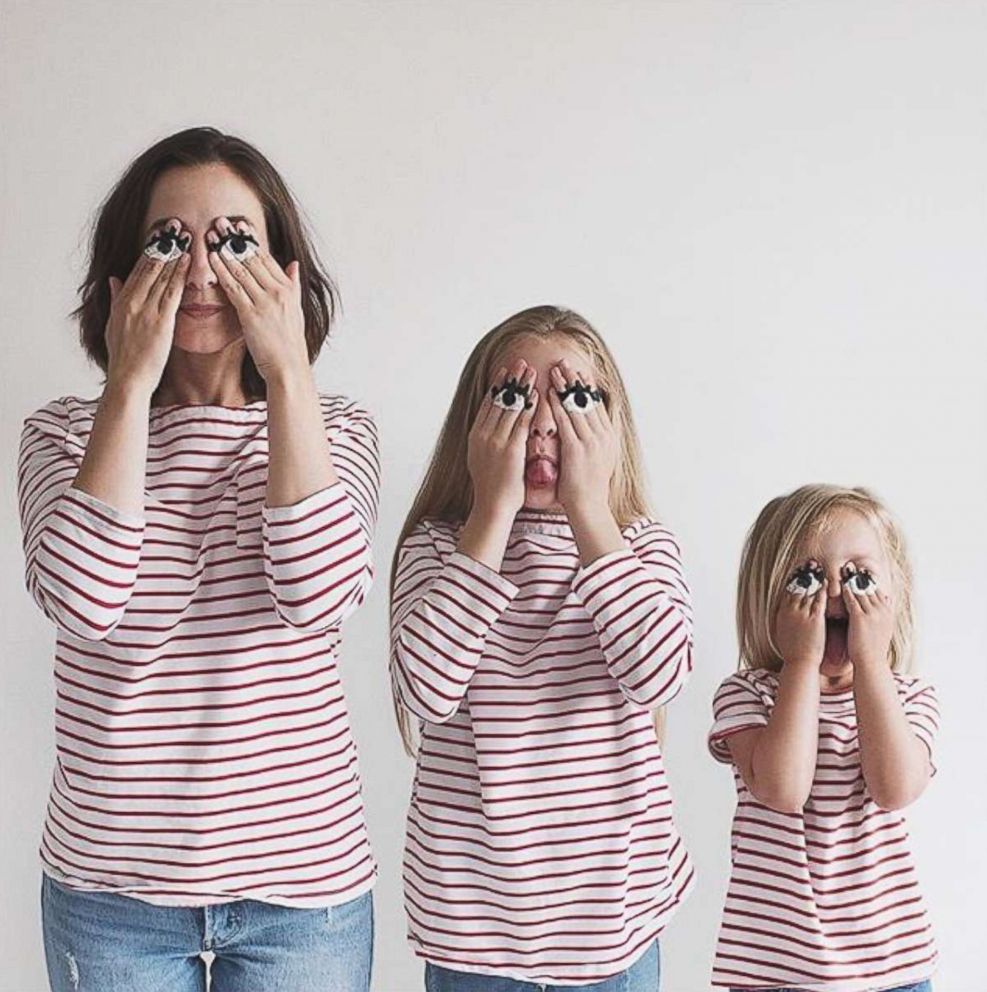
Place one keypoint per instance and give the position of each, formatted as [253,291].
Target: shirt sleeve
[737,705]
[922,712]
[641,608]
[441,613]
[81,555]
[318,552]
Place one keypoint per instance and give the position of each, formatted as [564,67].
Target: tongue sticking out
[836,642]
[540,472]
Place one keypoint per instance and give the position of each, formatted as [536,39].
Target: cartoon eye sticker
[512,395]
[578,398]
[859,582]
[167,245]
[807,580]
[238,244]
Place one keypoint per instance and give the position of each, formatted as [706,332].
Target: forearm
[114,466]
[485,534]
[783,760]
[895,763]
[595,530]
[299,462]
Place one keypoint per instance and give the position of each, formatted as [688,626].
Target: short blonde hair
[769,558]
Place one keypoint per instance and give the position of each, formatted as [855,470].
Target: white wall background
[774,211]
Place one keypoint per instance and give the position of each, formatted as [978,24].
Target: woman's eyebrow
[232,218]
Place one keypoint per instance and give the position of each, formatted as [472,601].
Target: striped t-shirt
[203,744]
[826,899]
[540,841]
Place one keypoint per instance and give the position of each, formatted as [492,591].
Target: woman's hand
[497,444]
[871,626]
[589,443]
[141,326]
[800,627]
[267,299]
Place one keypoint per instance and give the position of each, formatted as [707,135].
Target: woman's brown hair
[115,243]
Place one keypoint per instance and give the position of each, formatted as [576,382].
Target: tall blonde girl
[539,615]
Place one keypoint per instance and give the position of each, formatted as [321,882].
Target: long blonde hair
[769,558]
[446,492]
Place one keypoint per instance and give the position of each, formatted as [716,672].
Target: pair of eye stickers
[512,395]
[809,579]
[241,246]
[578,398]
[166,246]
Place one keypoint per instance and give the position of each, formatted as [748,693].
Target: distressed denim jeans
[103,942]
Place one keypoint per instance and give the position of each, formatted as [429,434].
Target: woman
[198,534]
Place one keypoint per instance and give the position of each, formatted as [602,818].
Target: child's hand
[589,443]
[498,439]
[800,627]
[872,620]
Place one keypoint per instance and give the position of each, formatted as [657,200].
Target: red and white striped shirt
[540,841]
[826,899]
[203,744]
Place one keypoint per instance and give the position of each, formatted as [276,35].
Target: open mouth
[836,639]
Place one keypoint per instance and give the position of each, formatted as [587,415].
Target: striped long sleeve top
[203,744]
[826,899]
[540,840]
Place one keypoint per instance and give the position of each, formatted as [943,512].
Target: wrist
[586,509]
[120,391]
[288,377]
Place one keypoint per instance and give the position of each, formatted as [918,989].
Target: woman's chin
[204,340]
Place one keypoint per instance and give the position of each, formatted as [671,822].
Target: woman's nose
[200,273]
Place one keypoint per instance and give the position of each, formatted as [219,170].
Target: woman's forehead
[198,195]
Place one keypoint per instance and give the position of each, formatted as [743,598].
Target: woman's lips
[541,471]
[200,310]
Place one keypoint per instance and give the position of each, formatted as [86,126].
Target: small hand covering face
[807,580]
[167,245]
[860,583]
[512,396]
[578,398]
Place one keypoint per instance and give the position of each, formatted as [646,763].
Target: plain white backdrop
[775,212]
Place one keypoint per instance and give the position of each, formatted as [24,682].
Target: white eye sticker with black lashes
[861,583]
[513,396]
[166,246]
[807,581]
[578,398]
[237,244]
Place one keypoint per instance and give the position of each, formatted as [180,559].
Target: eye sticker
[860,583]
[578,398]
[807,580]
[166,246]
[512,395]
[241,246]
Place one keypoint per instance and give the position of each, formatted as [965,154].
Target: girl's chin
[542,498]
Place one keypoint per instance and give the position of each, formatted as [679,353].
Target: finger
[261,266]
[852,602]
[234,291]
[115,288]
[508,417]
[239,271]
[522,423]
[567,433]
[171,296]
[561,381]
[488,414]
[176,268]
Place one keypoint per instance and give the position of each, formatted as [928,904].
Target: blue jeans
[925,986]
[102,942]
[642,976]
